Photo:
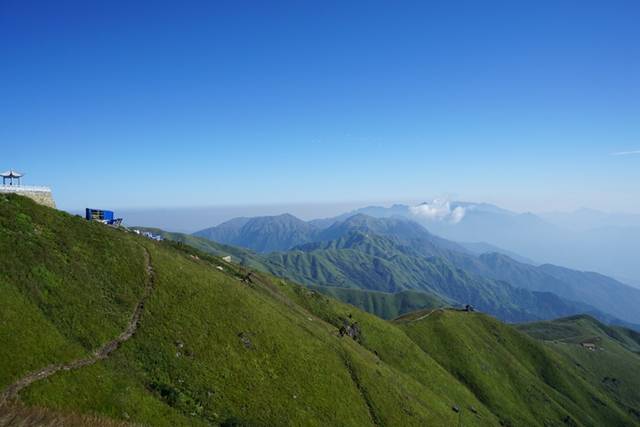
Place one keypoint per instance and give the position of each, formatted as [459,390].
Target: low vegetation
[611,364]
[219,344]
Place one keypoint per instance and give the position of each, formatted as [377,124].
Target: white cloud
[439,210]
[625,153]
[457,214]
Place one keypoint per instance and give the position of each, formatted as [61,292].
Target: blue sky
[115,104]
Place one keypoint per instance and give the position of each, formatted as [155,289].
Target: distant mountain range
[101,326]
[390,253]
[585,239]
[590,219]
[262,234]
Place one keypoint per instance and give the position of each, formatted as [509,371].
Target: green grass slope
[214,349]
[239,255]
[211,349]
[15,415]
[367,261]
[614,367]
[66,285]
[364,268]
[517,377]
[383,304]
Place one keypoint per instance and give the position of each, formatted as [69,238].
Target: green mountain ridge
[599,295]
[382,304]
[614,364]
[377,263]
[216,345]
[308,264]
[262,234]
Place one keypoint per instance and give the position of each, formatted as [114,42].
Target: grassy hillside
[216,346]
[239,255]
[614,367]
[382,304]
[210,348]
[396,255]
[513,375]
[403,254]
[66,285]
[16,415]
[374,262]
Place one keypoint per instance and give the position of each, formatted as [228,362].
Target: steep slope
[240,255]
[481,248]
[522,381]
[403,231]
[210,348]
[46,274]
[401,254]
[215,345]
[226,232]
[14,415]
[608,298]
[601,292]
[369,261]
[579,245]
[262,234]
[508,369]
[613,366]
[383,304]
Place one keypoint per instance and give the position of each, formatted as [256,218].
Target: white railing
[19,188]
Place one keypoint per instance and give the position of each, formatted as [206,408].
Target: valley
[216,346]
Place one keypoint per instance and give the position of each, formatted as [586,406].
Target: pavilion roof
[11,174]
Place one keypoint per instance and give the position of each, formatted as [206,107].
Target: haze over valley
[584,239]
[304,213]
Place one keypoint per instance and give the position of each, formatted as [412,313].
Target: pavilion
[11,176]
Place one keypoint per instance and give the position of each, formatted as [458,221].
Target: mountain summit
[262,234]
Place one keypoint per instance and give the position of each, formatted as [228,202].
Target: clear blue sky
[138,104]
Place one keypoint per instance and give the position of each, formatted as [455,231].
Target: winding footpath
[428,314]
[101,353]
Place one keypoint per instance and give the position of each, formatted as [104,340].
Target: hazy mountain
[601,292]
[480,248]
[262,234]
[403,230]
[588,219]
[391,254]
[151,333]
[375,263]
[607,243]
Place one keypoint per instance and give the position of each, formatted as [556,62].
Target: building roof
[11,174]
